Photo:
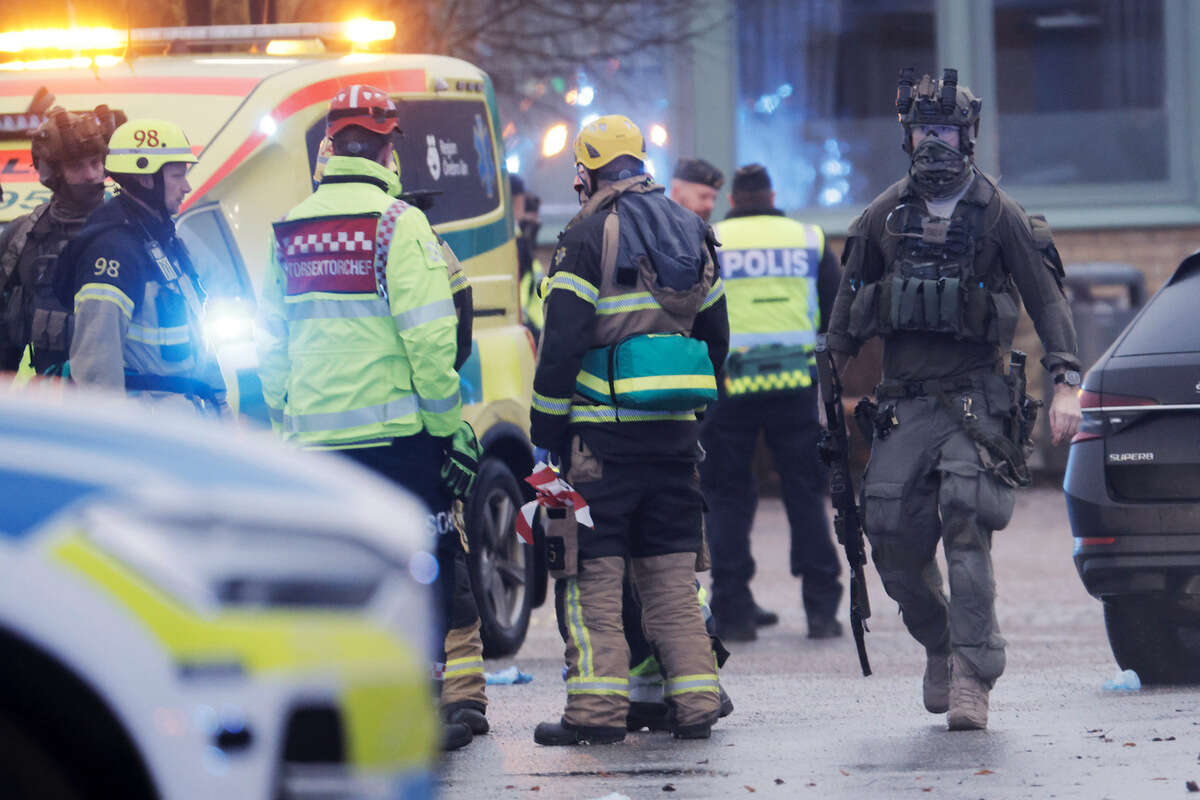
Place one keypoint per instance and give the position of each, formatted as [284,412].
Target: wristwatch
[1070,377]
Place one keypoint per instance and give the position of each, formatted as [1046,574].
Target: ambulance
[253,106]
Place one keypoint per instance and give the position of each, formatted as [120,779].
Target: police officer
[937,266]
[635,322]
[780,281]
[694,185]
[357,352]
[68,151]
[137,298]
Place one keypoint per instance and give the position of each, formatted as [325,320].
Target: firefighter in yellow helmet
[68,150]
[635,326]
[137,299]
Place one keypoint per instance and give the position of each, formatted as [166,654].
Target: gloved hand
[546,457]
[461,463]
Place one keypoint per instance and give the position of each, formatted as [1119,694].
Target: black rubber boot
[455,735]
[561,733]
[764,617]
[700,730]
[473,718]
[726,704]
[651,716]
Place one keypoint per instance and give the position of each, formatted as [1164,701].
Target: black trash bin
[1104,297]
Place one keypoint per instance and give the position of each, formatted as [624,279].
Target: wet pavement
[808,724]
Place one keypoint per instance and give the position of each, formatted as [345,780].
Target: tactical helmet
[365,106]
[606,138]
[70,136]
[941,102]
[143,146]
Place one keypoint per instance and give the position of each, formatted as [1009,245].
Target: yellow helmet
[143,146]
[604,139]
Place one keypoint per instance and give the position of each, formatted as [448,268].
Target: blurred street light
[555,140]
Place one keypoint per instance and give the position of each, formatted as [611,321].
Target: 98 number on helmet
[147,138]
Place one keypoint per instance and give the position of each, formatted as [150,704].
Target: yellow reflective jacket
[356,329]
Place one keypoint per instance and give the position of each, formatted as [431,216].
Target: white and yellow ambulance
[254,110]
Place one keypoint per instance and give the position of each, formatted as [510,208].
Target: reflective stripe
[439,405]
[775,337]
[611,414]
[178,334]
[692,683]
[597,685]
[338,309]
[579,631]
[623,303]
[426,313]
[104,291]
[557,406]
[459,282]
[463,666]
[646,688]
[150,151]
[794,379]
[571,283]
[645,383]
[717,292]
[337,420]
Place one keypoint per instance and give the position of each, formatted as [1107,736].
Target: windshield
[1168,324]
[447,149]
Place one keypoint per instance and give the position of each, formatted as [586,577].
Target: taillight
[1094,404]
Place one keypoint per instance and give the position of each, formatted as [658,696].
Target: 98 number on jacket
[104,266]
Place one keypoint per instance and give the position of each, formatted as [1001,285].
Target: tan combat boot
[968,698]
[936,686]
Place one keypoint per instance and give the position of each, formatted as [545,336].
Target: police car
[191,612]
[256,119]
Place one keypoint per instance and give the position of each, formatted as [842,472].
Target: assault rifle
[847,521]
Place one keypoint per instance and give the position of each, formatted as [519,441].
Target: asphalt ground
[808,724]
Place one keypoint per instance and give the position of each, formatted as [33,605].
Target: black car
[1133,485]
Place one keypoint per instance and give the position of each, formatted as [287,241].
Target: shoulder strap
[383,243]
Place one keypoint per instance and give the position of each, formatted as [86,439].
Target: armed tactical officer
[937,265]
[357,352]
[635,324]
[137,298]
[68,151]
[780,281]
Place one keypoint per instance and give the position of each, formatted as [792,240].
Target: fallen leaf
[810,783]
[1129,744]
[668,788]
[1192,786]
[927,789]
[779,781]
[1169,739]
[843,772]
[750,789]
[1159,779]
[510,786]
[535,788]
[985,772]
[705,761]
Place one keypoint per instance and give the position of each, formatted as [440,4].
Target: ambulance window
[213,252]
[447,149]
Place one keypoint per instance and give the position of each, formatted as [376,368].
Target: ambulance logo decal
[432,159]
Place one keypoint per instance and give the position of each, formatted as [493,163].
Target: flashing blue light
[585,96]
[784,91]
[423,566]
[513,164]
[831,197]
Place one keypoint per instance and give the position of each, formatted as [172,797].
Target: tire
[501,564]
[1147,636]
[28,771]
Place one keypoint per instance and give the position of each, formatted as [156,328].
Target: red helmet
[362,105]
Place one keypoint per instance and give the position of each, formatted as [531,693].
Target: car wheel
[502,565]
[1147,636]
[28,771]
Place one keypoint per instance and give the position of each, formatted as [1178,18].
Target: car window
[1168,323]
[447,147]
[211,247]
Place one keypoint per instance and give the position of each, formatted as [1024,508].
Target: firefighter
[780,281]
[138,301]
[635,324]
[357,351]
[68,151]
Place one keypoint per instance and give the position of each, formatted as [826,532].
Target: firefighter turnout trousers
[926,482]
[650,515]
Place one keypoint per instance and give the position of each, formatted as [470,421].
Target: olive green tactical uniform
[945,297]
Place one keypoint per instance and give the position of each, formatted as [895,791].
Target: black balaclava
[155,197]
[938,170]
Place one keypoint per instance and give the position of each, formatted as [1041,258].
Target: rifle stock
[847,521]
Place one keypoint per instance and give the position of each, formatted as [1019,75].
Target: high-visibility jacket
[356,333]
[770,264]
